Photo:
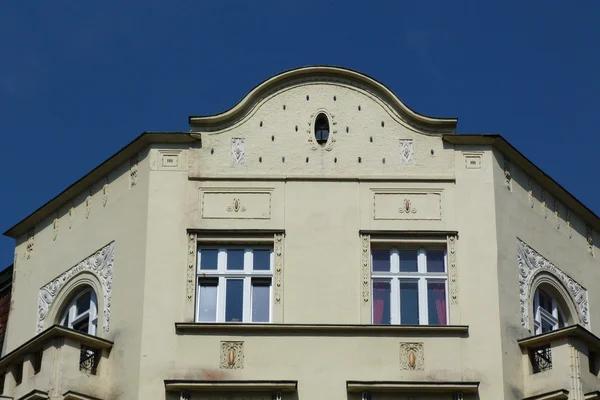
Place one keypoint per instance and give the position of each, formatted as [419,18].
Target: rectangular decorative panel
[235,205]
[407,205]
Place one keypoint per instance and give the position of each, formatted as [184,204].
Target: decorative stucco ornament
[278,267]
[407,207]
[406,151]
[30,243]
[530,192]
[366,267]
[238,152]
[569,224]
[191,267]
[88,206]
[54,229]
[104,195]
[232,355]
[100,264]
[236,206]
[507,174]
[530,263]
[589,234]
[412,357]
[452,269]
[133,171]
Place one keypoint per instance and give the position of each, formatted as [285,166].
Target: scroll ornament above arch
[530,263]
[100,264]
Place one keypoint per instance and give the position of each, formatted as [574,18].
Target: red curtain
[379,295]
[439,294]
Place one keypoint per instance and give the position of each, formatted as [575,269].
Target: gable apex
[325,74]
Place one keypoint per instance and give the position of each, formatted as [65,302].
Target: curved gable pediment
[326,76]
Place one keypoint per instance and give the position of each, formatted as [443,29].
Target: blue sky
[80,79]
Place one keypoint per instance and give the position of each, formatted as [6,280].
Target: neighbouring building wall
[529,213]
[114,210]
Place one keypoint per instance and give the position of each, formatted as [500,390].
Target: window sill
[317,329]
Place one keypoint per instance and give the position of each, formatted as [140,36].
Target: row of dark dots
[347,128]
[212,151]
[334,160]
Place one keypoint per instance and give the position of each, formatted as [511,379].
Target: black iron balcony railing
[541,359]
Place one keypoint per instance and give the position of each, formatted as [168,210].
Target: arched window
[548,313]
[81,314]
[322,128]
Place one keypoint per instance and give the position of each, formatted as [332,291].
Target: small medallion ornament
[236,206]
[407,208]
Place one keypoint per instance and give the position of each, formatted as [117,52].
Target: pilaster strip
[452,269]
[278,239]
[191,267]
[366,267]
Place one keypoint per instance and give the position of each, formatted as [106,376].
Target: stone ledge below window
[318,329]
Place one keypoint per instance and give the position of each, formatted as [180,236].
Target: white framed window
[234,284]
[81,314]
[409,286]
[547,311]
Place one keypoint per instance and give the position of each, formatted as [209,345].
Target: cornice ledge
[35,394]
[352,178]
[411,386]
[71,395]
[230,386]
[317,329]
[577,331]
[561,394]
[38,341]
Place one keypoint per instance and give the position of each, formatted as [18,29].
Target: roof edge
[517,158]
[133,147]
[441,124]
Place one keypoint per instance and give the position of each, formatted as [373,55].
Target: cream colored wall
[518,216]
[322,206]
[124,220]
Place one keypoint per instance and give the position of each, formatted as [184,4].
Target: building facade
[320,239]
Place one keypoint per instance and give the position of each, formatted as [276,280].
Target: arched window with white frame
[81,314]
[548,314]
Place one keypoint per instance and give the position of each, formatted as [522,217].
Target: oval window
[322,128]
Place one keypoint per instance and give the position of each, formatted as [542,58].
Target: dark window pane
[83,302]
[381,302]
[235,259]
[83,325]
[545,301]
[208,258]
[234,302]
[436,303]
[409,303]
[262,260]
[261,297]
[408,261]
[435,261]
[381,260]
[546,326]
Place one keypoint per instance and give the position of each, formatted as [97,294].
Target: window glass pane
[546,326]
[435,261]
[260,302]
[235,259]
[208,258]
[208,302]
[381,302]
[83,302]
[262,260]
[381,260]
[436,303]
[409,302]
[545,301]
[234,302]
[83,325]
[408,261]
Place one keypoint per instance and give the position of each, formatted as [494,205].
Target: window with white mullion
[409,286]
[234,284]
